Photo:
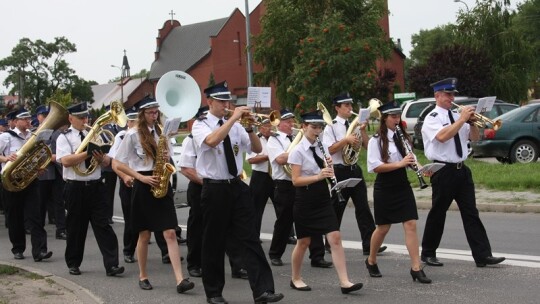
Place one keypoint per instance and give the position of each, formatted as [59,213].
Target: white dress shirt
[334,133]
[10,144]
[262,166]
[66,144]
[302,155]
[132,154]
[374,159]
[277,145]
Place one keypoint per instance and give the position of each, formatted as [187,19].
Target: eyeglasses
[156,112]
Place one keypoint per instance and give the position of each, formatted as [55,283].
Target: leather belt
[222,181]
[341,166]
[283,182]
[452,165]
[84,183]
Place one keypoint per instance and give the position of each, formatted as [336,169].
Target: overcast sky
[102,29]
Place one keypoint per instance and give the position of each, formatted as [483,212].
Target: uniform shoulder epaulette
[334,121]
[434,114]
[274,134]
[190,135]
[376,135]
[66,131]
[202,117]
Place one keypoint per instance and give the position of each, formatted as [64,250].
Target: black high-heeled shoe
[355,287]
[420,276]
[373,270]
[303,288]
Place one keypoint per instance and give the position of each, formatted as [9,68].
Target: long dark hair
[148,142]
[382,133]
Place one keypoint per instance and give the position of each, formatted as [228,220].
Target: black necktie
[457,140]
[227,148]
[88,160]
[347,124]
[318,160]
[289,137]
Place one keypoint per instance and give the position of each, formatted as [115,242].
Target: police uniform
[453,182]
[58,190]
[24,202]
[109,175]
[364,219]
[85,203]
[228,212]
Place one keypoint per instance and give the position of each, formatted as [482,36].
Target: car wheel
[503,160]
[524,151]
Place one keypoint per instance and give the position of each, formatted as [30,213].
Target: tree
[426,42]
[42,69]
[527,22]
[314,50]
[141,74]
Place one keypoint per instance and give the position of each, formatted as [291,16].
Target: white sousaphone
[178,95]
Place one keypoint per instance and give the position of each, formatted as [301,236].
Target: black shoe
[165,259]
[43,256]
[373,270]
[355,287]
[381,249]
[490,260]
[292,240]
[420,276]
[303,288]
[111,221]
[180,239]
[115,270]
[128,258]
[74,270]
[321,264]
[61,235]
[240,274]
[431,261]
[184,286]
[276,262]
[216,300]
[195,272]
[145,284]
[269,297]
[18,256]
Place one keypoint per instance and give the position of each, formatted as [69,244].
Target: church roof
[176,54]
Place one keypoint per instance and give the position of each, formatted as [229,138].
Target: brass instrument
[409,150]
[255,119]
[163,168]
[296,140]
[97,135]
[351,153]
[481,120]
[34,155]
[373,107]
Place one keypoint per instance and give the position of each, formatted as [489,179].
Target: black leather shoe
[145,284]
[355,287]
[184,286]
[115,270]
[292,240]
[431,261]
[61,235]
[43,256]
[18,256]
[381,249]
[216,300]
[166,259]
[74,270]
[373,270]
[129,258]
[322,263]
[303,288]
[490,260]
[268,297]
[276,262]
[420,276]
[195,272]
[180,240]
[240,274]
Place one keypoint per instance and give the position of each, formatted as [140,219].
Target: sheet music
[351,182]
[433,167]
[364,115]
[485,104]
[171,126]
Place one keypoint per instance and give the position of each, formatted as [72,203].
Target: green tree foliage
[426,42]
[44,70]
[314,50]
[527,22]
[144,73]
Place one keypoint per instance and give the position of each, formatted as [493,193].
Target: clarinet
[409,150]
[333,180]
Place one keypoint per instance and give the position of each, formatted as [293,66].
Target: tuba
[34,155]
[373,107]
[296,140]
[178,95]
[97,135]
[351,153]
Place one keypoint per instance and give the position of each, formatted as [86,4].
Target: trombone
[481,120]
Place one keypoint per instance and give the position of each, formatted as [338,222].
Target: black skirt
[313,213]
[393,198]
[150,213]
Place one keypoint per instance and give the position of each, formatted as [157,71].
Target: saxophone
[162,168]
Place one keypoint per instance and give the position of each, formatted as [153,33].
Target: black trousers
[262,189]
[448,184]
[228,212]
[46,188]
[17,204]
[283,204]
[358,194]
[110,186]
[194,226]
[58,202]
[130,235]
[86,203]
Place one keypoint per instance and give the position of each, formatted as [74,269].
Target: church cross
[172,16]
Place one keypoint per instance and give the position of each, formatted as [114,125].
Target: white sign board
[259,97]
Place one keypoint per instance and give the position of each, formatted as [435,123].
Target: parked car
[517,140]
[179,182]
[500,107]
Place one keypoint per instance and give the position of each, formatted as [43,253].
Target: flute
[333,180]
[409,150]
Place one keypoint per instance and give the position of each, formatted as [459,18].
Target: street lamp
[463,3]
[121,81]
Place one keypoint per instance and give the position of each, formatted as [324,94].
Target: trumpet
[256,119]
[481,120]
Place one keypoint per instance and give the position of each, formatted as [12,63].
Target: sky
[102,30]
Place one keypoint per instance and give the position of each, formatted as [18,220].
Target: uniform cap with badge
[389,108]
[342,98]
[448,85]
[286,114]
[42,109]
[315,117]
[219,91]
[80,109]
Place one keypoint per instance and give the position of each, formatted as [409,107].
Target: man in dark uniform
[226,203]
[109,175]
[335,138]
[85,196]
[445,136]
[17,203]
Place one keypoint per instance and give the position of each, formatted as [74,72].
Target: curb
[82,293]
